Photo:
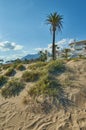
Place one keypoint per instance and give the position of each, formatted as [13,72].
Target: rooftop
[79,42]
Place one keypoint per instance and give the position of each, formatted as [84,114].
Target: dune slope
[15,115]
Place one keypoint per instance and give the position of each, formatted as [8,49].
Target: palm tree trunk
[53,46]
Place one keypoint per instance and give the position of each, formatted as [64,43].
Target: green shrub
[20,67]
[55,66]
[75,59]
[37,65]
[45,86]
[14,65]
[12,88]
[3,80]
[29,76]
[10,72]
[0,68]
[6,66]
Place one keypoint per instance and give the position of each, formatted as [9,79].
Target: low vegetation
[20,67]
[45,86]
[12,88]
[41,72]
[55,67]
[48,81]
[10,72]
[49,88]
[6,66]
[37,65]
[3,80]
[30,76]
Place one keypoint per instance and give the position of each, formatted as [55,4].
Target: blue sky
[23,29]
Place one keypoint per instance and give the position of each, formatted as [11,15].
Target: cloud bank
[6,46]
[64,43]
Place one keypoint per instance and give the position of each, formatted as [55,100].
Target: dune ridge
[14,115]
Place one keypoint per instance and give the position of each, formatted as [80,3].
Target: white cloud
[64,43]
[49,46]
[38,49]
[12,56]
[6,46]
[25,52]
[71,40]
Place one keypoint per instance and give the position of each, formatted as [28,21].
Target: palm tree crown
[55,20]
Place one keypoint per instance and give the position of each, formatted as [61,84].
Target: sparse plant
[14,65]
[75,59]
[43,55]
[66,53]
[3,80]
[0,68]
[29,76]
[55,66]
[10,72]
[20,67]
[37,65]
[45,86]
[12,88]
[6,66]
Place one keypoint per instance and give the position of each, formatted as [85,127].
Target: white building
[78,48]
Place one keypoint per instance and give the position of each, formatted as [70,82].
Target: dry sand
[14,115]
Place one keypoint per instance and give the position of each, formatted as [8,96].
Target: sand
[14,115]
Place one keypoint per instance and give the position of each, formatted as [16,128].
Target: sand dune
[14,115]
[12,118]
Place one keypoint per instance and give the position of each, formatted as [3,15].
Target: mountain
[30,57]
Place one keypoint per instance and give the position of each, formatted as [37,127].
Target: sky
[23,28]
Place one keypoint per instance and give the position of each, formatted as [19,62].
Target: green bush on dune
[6,66]
[37,65]
[45,86]
[30,76]
[20,67]
[41,72]
[55,66]
[10,72]
[3,80]
[12,88]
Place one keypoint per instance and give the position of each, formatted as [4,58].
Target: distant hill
[30,57]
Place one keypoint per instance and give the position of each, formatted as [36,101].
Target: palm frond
[55,20]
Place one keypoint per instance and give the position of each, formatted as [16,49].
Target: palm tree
[55,20]
[43,55]
[66,52]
